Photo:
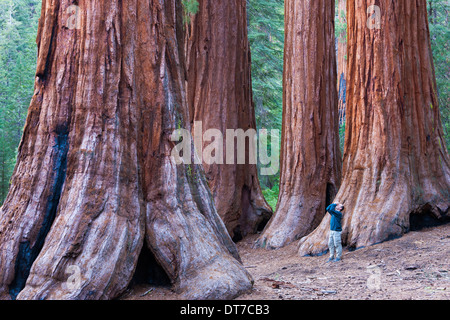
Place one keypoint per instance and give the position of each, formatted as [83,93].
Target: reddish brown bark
[94,175]
[396,165]
[220,96]
[310,155]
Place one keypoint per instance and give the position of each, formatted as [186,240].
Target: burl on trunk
[95,181]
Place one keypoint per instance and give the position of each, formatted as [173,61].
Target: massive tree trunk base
[220,278]
[95,178]
[294,217]
[396,165]
[188,242]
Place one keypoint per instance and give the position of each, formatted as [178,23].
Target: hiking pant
[335,244]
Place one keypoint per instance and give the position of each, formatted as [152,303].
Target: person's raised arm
[331,207]
[332,210]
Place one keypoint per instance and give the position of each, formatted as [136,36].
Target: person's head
[340,207]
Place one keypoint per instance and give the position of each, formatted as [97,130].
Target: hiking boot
[330,260]
[337,260]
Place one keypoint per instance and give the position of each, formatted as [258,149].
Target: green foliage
[18,26]
[190,8]
[340,25]
[342,138]
[266,37]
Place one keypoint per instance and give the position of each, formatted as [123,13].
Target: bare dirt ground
[416,266]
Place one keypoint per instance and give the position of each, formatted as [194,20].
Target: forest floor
[416,266]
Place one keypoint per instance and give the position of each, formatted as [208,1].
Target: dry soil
[416,266]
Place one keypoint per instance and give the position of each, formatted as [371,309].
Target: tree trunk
[220,97]
[94,175]
[310,155]
[342,62]
[396,165]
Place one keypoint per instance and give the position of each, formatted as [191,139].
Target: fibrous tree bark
[220,97]
[310,155]
[95,177]
[396,165]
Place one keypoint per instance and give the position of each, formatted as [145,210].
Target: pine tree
[310,155]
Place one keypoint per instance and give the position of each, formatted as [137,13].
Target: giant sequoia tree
[396,166]
[310,155]
[94,181]
[220,97]
[342,58]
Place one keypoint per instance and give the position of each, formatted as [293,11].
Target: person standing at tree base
[334,241]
